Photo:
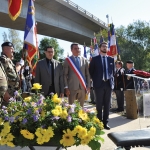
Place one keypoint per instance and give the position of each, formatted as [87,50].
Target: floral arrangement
[37,120]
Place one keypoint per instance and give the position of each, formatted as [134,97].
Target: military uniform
[13,78]
[10,69]
[3,83]
[119,88]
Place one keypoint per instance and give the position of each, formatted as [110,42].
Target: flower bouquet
[37,120]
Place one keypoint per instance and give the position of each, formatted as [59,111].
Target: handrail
[85,12]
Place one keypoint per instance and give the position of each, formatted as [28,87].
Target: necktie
[77,62]
[104,68]
[50,71]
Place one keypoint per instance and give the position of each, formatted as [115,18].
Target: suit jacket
[96,71]
[42,76]
[70,78]
[119,79]
[129,81]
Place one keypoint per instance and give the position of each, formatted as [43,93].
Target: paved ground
[117,123]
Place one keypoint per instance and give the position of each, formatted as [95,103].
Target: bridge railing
[85,12]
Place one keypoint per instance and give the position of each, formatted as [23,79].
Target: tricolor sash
[77,71]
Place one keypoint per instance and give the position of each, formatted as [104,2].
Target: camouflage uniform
[13,78]
[3,83]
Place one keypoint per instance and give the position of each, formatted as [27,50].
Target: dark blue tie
[104,68]
[77,62]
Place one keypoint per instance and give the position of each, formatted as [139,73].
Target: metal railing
[85,12]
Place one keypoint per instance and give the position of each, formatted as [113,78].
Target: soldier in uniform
[119,85]
[10,69]
[129,80]
[4,96]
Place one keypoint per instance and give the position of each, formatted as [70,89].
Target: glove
[21,62]
[122,71]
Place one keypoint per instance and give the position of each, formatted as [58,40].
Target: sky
[121,12]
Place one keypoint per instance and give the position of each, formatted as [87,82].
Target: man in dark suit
[102,73]
[129,80]
[119,85]
[49,74]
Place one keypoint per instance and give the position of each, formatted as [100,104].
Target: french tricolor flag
[112,47]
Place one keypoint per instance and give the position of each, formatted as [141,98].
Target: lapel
[45,64]
[101,64]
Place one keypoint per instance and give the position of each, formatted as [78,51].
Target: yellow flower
[78,129]
[82,133]
[55,96]
[16,114]
[27,99]
[43,113]
[38,134]
[84,142]
[43,131]
[10,144]
[64,114]
[55,112]
[92,131]
[40,140]
[6,124]
[87,138]
[83,115]
[50,132]
[55,99]
[3,141]
[46,138]
[36,86]
[97,121]
[1,121]
[59,108]
[68,139]
[10,137]
[27,134]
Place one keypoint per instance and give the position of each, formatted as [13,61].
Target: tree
[134,43]
[5,39]
[45,42]
[13,37]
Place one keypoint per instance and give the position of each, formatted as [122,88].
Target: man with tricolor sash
[76,76]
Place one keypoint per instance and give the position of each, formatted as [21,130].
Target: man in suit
[102,73]
[49,74]
[129,80]
[74,88]
[119,85]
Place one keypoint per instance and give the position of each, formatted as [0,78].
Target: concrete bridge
[61,19]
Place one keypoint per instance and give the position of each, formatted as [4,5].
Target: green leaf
[95,145]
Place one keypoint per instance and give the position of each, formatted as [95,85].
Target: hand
[67,92]
[87,90]
[122,71]
[6,97]
[61,95]
[128,77]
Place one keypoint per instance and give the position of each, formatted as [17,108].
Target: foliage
[13,36]
[45,42]
[38,120]
[134,44]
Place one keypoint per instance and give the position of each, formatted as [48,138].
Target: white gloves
[21,62]
[122,71]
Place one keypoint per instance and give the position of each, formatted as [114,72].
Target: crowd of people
[75,78]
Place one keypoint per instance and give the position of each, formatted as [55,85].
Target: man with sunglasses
[49,74]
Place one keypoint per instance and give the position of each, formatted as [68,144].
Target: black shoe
[107,127]
[120,110]
[93,103]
